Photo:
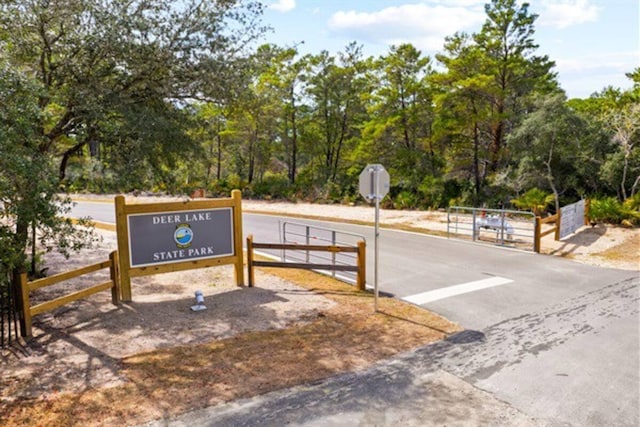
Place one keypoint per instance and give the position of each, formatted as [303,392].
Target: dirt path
[93,363]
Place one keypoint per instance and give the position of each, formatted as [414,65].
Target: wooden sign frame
[123,210]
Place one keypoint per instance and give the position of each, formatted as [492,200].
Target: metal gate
[305,234]
[497,226]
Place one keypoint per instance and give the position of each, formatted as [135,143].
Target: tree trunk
[252,156]
[550,179]
[476,162]
[294,141]
[343,132]
[20,240]
[635,186]
[66,156]
[405,126]
[496,146]
[33,249]
[497,134]
[219,159]
[330,149]
[625,167]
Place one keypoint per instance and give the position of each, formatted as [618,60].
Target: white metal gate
[497,226]
[305,234]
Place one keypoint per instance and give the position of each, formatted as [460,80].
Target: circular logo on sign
[183,236]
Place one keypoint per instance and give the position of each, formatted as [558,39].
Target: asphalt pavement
[521,372]
[548,341]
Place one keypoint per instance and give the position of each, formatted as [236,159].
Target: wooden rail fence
[557,220]
[360,268]
[27,287]
[539,234]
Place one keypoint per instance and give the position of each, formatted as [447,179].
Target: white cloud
[463,3]
[566,13]
[420,24]
[619,62]
[283,5]
[582,76]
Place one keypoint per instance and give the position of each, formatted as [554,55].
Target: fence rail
[29,311]
[359,250]
[305,234]
[539,234]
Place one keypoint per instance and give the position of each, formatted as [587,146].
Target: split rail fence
[27,287]
[359,268]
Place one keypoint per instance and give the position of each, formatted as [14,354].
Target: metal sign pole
[377,235]
[374,185]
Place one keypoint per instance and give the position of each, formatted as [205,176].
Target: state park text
[180,236]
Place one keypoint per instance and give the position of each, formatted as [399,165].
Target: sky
[593,42]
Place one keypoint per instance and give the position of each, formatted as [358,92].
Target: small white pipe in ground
[199,302]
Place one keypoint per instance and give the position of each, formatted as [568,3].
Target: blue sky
[593,42]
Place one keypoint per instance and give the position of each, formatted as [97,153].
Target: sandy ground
[602,245]
[80,346]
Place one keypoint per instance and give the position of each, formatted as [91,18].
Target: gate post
[473,224]
[362,265]
[587,206]
[25,306]
[536,234]
[556,235]
[115,278]
[236,195]
[250,260]
[122,230]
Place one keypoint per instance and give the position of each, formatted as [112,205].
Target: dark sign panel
[168,237]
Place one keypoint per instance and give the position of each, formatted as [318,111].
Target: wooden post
[115,277]
[123,248]
[250,269]
[236,195]
[537,235]
[587,206]
[362,265]
[25,318]
[556,235]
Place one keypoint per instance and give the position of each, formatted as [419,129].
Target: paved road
[522,372]
[413,263]
[556,340]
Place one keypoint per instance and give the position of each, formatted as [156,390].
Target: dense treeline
[481,123]
[99,93]
[134,101]
[124,95]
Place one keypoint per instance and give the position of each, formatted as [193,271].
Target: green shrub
[535,200]
[272,186]
[610,210]
[223,187]
[607,210]
[433,192]
[633,203]
[405,200]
